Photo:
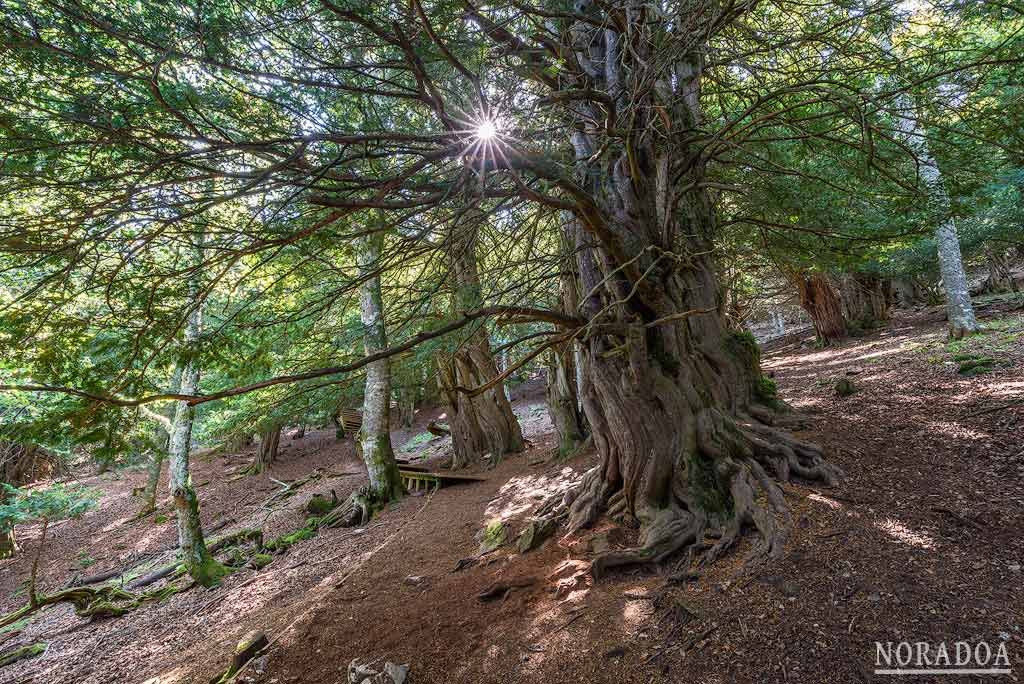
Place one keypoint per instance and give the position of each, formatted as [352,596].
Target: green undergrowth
[986,351]
[417,441]
[1001,340]
[30,651]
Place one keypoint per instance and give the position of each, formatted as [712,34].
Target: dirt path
[922,542]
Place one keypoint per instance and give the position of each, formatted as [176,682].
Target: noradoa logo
[921,657]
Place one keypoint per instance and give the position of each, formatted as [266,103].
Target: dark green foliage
[971,365]
[54,503]
[766,390]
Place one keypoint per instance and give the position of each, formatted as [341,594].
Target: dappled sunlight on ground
[831,503]
[956,430]
[523,493]
[902,533]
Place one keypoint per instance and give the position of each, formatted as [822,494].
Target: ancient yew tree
[592,149]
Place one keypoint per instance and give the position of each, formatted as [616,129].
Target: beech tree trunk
[406,406]
[197,559]
[673,399]
[8,540]
[959,308]
[482,423]
[819,299]
[865,299]
[156,461]
[908,292]
[385,483]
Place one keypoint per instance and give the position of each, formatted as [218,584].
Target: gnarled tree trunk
[198,561]
[563,399]
[270,441]
[819,299]
[865,299]
[674,401]
[480,423]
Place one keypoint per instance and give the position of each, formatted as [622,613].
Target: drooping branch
[519,313]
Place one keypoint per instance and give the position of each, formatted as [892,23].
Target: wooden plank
[418,477]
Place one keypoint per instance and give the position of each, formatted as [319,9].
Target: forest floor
[922,542]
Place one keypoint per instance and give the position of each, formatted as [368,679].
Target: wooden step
[416,480]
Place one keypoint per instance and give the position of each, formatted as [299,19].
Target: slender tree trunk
[8,543]
[198,562]
[671,396]
[33,594]
[819,299]
[159,455]
[375,434]
[959,309]
[485,423]
[8,539]
[406,406]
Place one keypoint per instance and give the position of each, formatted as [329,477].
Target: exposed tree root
[93,602]
[30,651]
[357,510]
[289,489]
[750,460]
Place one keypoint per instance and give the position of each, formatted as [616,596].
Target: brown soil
[921,542]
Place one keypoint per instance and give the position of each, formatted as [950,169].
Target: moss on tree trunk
[374,439]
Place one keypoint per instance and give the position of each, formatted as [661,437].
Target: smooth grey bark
[195,556]
[959,309]
[156,461]
[375,434]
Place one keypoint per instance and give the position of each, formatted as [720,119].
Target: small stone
[616,652]
[535,534]
[415,580]
[492,536]
[1013,567]
[845,387]
[248,648]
